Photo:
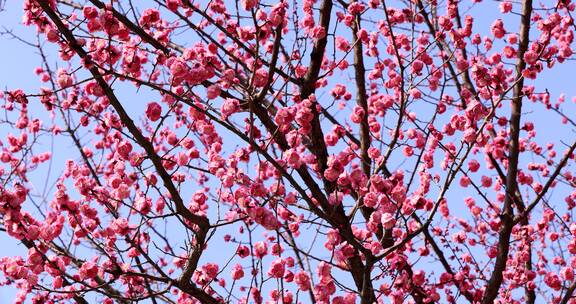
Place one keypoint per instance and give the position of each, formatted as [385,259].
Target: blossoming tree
[292,152]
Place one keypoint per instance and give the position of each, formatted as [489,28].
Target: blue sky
[17,63]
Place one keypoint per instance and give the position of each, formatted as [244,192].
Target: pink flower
[213,91]
[237,272]
[143,204]
[88,270]
[333,239]
[325,273]
[459,237]
[302,279]
[505,7]
[553,281]
[173,5]
[210,270]
[486,181]
[249,4]
[124,148]
[498,29]
[388,221]
[64,79]
[408,151]
[318,32]
[445,23]
[58,282]
[465,181]
[179,69]
[356,7]
[415,93]
[531,57]
[90,12]
[153,111]
[243,251]
[371,200]
[276,268]
[473,165]
[264,217]
[357,115]
[304,116]
[32,232]
[229,107]
[292,157]
[567,273]
[470,136]
[417,66]
[277,13]
[149,16]
[418,277]
[331,174]
[260,249]
[260,77]
[343,45]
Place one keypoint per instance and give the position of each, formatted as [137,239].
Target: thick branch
[507,218]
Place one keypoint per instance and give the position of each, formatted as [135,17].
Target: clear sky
[17,63]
